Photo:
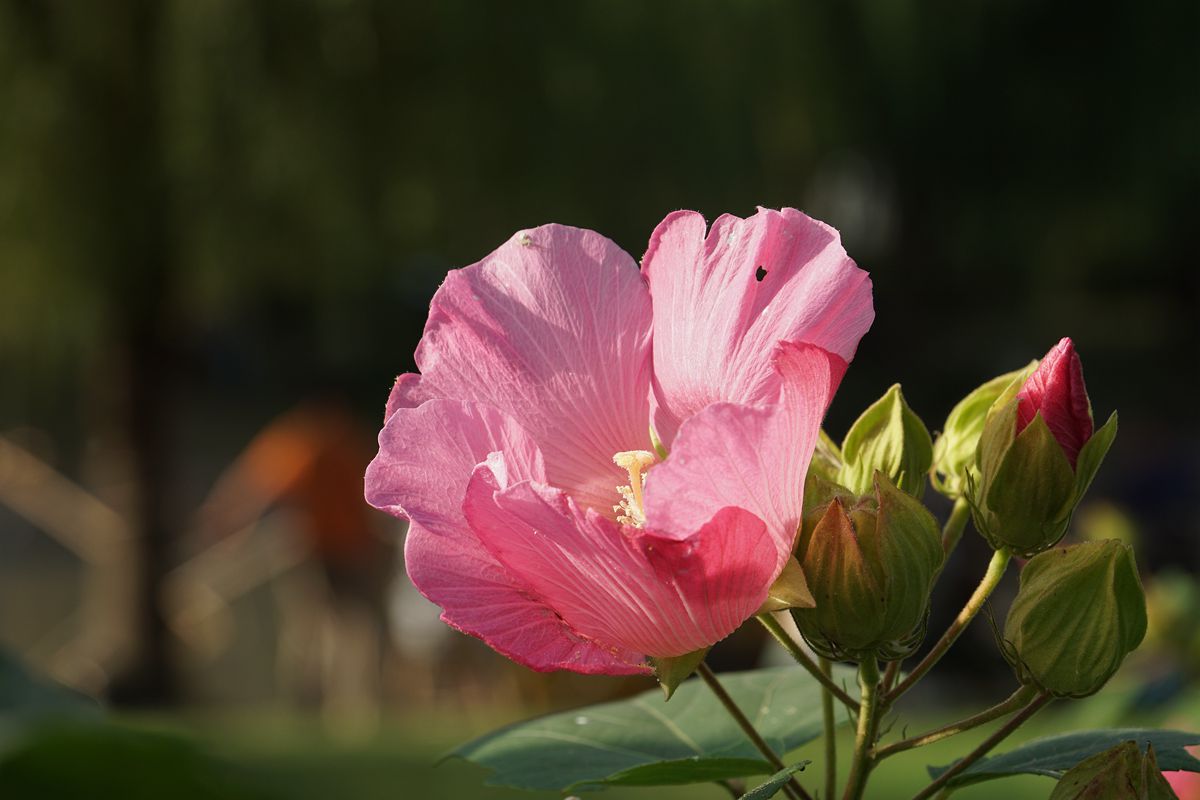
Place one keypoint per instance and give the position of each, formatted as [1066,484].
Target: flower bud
[1037,456]
[954,450]
[1079,611]
[1122,771]
[888,438]
[1055,390]
[870,564]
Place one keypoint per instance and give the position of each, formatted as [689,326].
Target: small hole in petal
[760,273]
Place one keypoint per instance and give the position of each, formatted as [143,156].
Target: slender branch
[868,723]
[792,788]
[802,658]
[982,750]
[889,676]
[830,731]
[987,585]
[1015,701]
[955,525]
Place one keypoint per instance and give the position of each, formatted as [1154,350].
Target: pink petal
[752,457]
[405,394]
[426,457]
[1056,389]
[1185,784]
[620,585]
[716,323]
[553,329]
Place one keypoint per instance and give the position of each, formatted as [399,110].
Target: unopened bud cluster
[1021,450]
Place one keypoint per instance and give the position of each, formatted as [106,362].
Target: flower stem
[868,723]
[991,579]
[889,675]
[982,750]
[1018,699]
[792,788]
[955,525]
[802,658]
[830,731]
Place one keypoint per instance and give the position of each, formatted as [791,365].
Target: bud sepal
[954,450]
[1121,771]
[890,438]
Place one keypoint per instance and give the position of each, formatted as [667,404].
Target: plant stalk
[830,731]
[889,675]
[802,658]
[792,788]
[868,724]
[991,579]
[955,525]
[1015,701]
[982,750]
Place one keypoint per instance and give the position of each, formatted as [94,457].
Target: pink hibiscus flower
[542,519]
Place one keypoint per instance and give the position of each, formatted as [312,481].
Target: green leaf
[107,760]
[642,741]
[1055,755]
[764,791]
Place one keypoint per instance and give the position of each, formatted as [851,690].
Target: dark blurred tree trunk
[136,143]
[108,152]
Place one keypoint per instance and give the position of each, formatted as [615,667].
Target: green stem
[991,579]
[830,731]
[802,658]
[955,525]
[979,752]
[868,723]
[792,788]
[1002,709]
[889,675]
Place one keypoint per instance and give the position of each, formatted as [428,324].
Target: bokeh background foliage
[207,209]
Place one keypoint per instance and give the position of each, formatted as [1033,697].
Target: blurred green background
[212,213]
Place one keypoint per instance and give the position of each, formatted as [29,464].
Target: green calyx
[954,451]
[674,670]
[1122,771]
[887,438]
[1079,611]
[870,563]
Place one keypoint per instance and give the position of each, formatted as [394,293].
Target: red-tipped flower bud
[1037,456]
[1056,390]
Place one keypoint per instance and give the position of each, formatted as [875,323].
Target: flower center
[630,510]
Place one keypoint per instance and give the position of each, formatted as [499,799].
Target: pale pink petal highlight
[553,329]
[623,586]
[426,457]
[723,300]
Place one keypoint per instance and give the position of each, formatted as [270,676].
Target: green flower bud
[870,564]
[1122,771]
[1079,611]
[888,438]
[954,450]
